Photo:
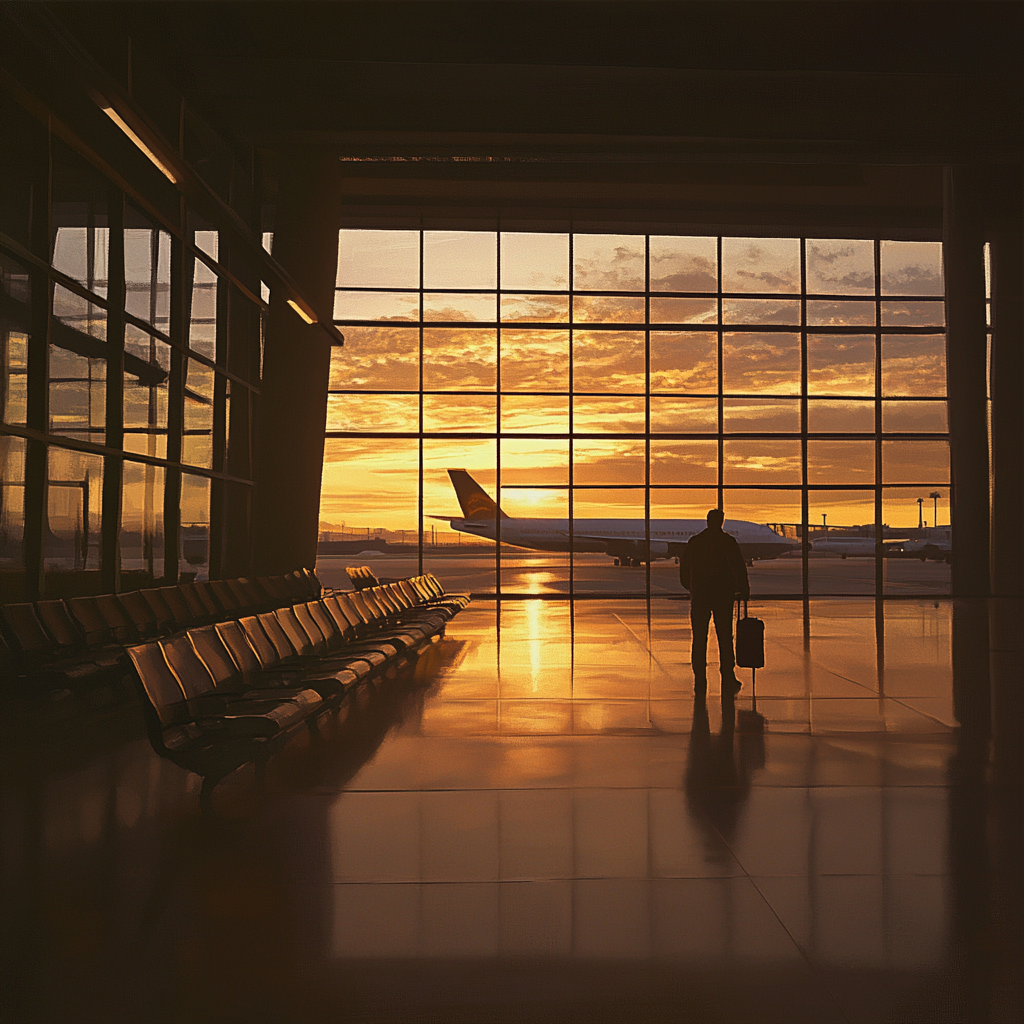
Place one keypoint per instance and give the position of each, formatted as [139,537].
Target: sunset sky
[598,373]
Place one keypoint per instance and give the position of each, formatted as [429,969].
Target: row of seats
[77,645]
[222,695]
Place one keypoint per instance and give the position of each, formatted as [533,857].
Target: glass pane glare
[624,415]
[378,259]
[460,259]
[534,360]
[74,507]
[370,489]
[608,462]
[754,415]
[373,413]
[684,462]
[541,309]
[534,261]
[761,462]
[684,415]
[449,306]
[141,535]
[459,413]
[535,414]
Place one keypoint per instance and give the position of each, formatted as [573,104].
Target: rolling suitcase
[750,654]
[749,639]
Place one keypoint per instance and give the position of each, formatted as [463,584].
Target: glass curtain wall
[118,364]
[796,383]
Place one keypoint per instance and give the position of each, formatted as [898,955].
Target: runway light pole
[935,503]
[920,513]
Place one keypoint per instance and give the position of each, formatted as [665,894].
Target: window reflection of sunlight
[533,611]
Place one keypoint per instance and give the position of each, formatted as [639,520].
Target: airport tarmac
[538,573]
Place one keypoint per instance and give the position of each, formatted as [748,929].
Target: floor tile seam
[803,955]
[675,877]
[902,701]
[647,646]
[795,787]
[831,672]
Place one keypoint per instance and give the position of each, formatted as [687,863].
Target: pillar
[296,370]
[963,259]
[1007,384]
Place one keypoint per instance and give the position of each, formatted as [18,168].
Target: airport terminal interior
[367,367]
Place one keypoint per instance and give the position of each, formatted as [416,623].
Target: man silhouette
[713,571]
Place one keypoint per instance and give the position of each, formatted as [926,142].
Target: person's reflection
[719,769]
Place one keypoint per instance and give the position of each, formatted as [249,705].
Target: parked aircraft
[626,540]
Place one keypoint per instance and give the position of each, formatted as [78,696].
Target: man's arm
[739,571]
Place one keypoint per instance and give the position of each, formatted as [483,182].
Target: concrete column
[963,258]
[296,369]
[1007,385]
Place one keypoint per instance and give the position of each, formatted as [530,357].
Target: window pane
[608,263]
[914,417]
[608,361]
[448,306]
[752,415]
[74,510]
[378,259]
[459,413]
[544,309]
[81,252]
[608,462]
[369,488]
[197,442]
[141,536]
[915,461]
[147,271]
[147,366]
[78,393]
[911,268]
[377,359]
[837,417]
[12,513]
[901,511]
[684,263]
[913,365]
[460,259]
[684,415]
[203,327]
[373,413]
[841,462]
[822,313]
[534,261]
[376,306]
[13,375]
[762,462]
[761,363]
[763,507]
[195,527]
[840,266]
[611,415]
[608,309]
[684,462]
[842,509]
[840,364]
[686,503]
[534,360]
[534,414]
[459,359]
[686,362]
[761,311]
[665,310]
[761,264]
[530,462]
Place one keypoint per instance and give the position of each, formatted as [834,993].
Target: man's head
[715,519]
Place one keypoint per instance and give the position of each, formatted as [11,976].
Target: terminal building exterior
[269,270]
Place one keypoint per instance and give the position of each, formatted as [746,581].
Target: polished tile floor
[537,823]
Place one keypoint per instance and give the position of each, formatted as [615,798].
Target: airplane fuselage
[622,538]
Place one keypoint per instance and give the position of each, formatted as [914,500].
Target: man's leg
[700,619]
[726,652]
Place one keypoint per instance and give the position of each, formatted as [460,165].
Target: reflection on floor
[537,824]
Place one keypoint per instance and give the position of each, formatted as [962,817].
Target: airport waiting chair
[138,609]
[199,610]
[229,679]
[164,616]
[361,577]
[179,609]
[266,629]
[211,746]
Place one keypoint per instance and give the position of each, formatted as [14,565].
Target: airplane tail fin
[475,502]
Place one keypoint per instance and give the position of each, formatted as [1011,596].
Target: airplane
[624,539]
[853,547]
